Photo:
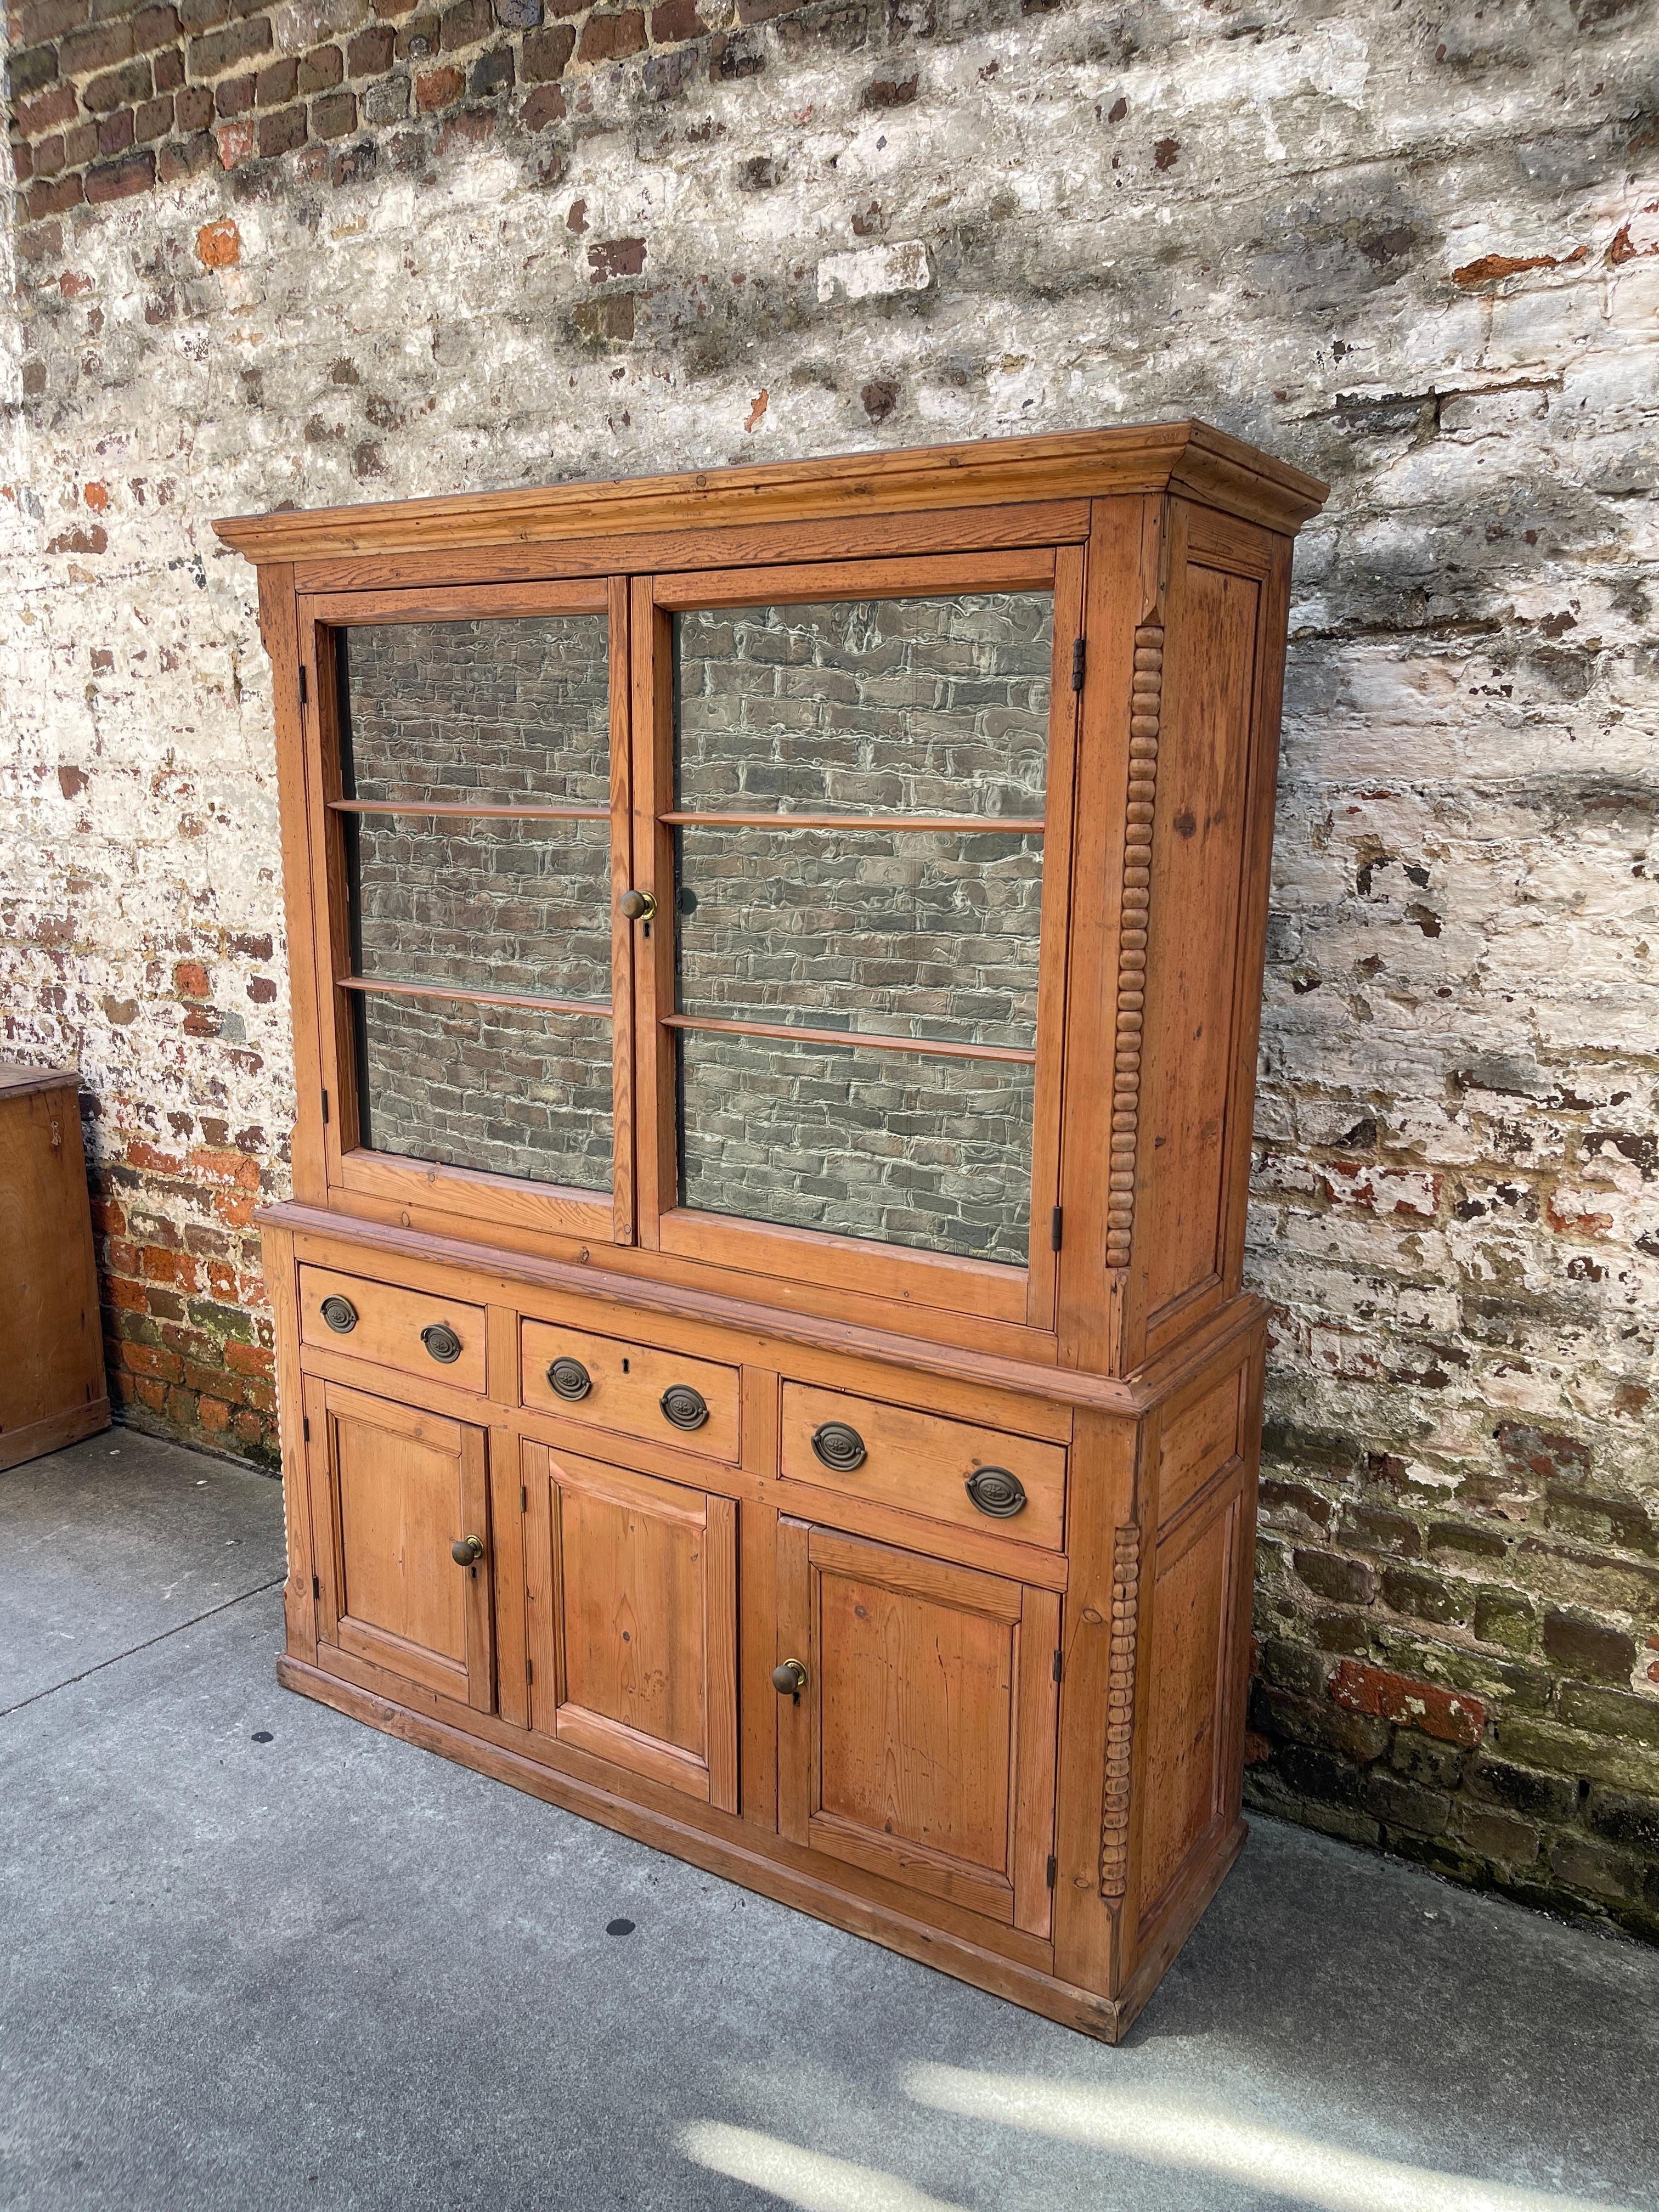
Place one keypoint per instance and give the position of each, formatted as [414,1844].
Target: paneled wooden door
[394,1491]
[631,1610]
[922,1745]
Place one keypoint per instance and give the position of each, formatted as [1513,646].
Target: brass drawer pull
[685,1408]
[569,1378]
[995,1491]
[839,1447]
[441,1341]
[340,1314]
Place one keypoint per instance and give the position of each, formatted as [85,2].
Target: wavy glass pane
[907,933]
[479,903]
[922,1151]
[928,705]
[501,711]
[507,1090]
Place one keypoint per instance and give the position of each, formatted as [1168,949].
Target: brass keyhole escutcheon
[789,1680]
[466,1551]
[637,906]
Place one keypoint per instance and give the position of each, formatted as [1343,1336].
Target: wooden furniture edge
[17,1445]
[733,1861]
[1186,1909]
[1126,1396]
[1222,470]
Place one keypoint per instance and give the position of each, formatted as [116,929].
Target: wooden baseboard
[40,1438]
[1096,2016]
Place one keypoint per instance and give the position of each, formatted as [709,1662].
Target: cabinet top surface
[15,1079]
[1186,456]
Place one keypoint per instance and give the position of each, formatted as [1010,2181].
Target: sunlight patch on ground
[805,2177]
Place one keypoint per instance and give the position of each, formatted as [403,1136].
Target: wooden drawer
[394,1329]
[629,1388]
[922,1463]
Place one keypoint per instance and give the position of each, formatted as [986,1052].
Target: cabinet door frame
[986,1289]
[472,1683]
[352,1171]
[547,1476]
[1022,1897]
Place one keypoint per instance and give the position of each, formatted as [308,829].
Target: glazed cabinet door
[920,1744]
[630,1588]
[394,1491]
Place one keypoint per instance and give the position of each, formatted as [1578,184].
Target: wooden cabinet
[395,1491]
[52,1390]
[920,1743]
[631,1587]
[776,961]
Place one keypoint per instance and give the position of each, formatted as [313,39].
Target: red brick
[321,69]
[612,38]
[99,48]
[152,1359]
[181,1407]
[674,19]
[438,88]
[23,161]
[221,50]
[168,71]
[154,120]
[212,1412]
[276,84]
[38,20]
[544,105]
[1453,1715]
[369,53]
[546,52]
[151,1392]
[332,117]
[249,1358]
[187,159]
[190,980]
[34,117]
[117,88]
[154,27]
[615,256]
[465,25]
[115,132]
[194,108]
[234,96]
[51,195]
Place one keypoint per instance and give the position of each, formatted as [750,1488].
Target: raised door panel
[1191,1668]
[921,1746]
[397,1489]
[631,1613]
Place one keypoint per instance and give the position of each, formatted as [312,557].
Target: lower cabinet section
[919,1743]
[394,1492]
[631,1614]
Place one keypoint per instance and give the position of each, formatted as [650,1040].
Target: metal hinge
[316,1586]
[304,689]
[529,1669]
[1056,1226]
[1060,1665]
[1079,656]
[324,1105]
[1054,1869]
[524,1497]
[305,1426]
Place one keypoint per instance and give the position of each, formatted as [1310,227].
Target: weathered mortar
[1417,252]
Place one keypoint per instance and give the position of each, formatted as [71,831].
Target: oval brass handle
[685,1408]
[996,1491]
[441,1341]
[466,1551]
[569,1378]
[790,1678]
[839,1447]
[637,906]
[340,1314]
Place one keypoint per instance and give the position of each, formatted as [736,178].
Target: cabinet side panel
[1198,860]
[49,1297]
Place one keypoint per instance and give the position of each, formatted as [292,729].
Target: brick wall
[1417,252]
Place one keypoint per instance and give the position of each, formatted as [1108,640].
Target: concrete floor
[324,1969]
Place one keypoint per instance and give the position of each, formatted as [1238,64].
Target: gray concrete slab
[331,1970]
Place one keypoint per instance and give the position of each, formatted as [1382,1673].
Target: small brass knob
[637,906]
[790,1678]
[466,1551]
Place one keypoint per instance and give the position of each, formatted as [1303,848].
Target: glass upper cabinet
[822,1038]
[476,839]
[857,829]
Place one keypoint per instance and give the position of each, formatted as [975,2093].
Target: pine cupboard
[776,956]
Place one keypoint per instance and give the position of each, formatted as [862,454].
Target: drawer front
[631,1389]
[412,1330]
[924,1463]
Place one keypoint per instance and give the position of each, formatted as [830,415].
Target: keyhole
[625,1367]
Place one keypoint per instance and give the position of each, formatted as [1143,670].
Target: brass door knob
[637,906]
[466,1551]
[789,1680]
